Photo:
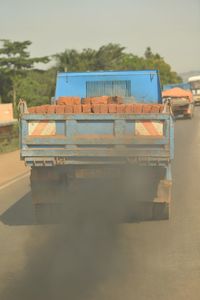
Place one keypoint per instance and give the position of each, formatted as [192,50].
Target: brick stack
[97,109]
[96,105]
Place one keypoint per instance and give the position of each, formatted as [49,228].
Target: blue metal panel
[155,154]
[60,127]
[145,85]
[96,117]
[24,133]
[41,141]
[90,127]
[130,127]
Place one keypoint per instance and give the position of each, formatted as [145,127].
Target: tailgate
[96,138]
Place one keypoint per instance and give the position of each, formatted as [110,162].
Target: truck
[194,82]
[181,85]
[179,101]
[98,124]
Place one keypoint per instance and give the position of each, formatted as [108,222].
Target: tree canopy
[107,57]
[15,60]
[114,57]
[19,77]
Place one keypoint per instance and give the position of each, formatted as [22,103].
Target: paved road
[156,260]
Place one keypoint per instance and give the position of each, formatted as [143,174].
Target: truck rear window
[108,88]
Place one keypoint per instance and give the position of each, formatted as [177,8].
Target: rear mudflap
[163,192]
[161,204]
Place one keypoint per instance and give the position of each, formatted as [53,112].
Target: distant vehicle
[180,102]
[182,85]
[194,82]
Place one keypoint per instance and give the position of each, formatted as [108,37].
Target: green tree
[148,53]
[155,61]
[37,87]
[114,57]
[5,84]
[107,57]
[87,60]
[68,60]
[15,60]
[132,62]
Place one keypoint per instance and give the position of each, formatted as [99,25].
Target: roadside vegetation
[9,146]
[9,140]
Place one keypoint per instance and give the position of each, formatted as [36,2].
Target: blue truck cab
[144,86]
[79,146]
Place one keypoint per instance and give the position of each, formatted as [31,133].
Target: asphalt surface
[156,260]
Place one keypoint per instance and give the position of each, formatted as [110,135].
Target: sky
[170,27]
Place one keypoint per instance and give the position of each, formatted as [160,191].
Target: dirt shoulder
[11,166]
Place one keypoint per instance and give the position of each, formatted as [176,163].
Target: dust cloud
[72,259]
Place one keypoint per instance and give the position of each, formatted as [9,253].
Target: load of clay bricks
[97,105]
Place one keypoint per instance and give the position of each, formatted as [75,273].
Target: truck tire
[161,211]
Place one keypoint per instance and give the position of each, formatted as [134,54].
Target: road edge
[14,179]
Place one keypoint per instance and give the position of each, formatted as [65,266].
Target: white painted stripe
[159,127]
[140,129]
[31,127]
[12,181]
[49,128]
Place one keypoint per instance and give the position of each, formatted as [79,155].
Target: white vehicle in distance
[194,82]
